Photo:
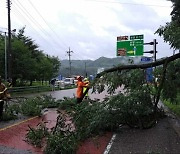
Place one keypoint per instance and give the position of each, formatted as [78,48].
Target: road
[60,94]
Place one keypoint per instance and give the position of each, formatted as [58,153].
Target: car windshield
[67,80]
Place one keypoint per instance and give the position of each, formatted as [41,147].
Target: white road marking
[110,144]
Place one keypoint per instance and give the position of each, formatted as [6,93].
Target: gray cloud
[90,28]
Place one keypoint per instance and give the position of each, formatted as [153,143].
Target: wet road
[60,94]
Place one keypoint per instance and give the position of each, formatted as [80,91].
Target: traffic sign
[134,37]
[130,47]
[149,74]
[146,59]
[149,71]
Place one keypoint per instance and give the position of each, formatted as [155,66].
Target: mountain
[90,67]
[86,67]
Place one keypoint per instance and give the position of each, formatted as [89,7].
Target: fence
[28,89]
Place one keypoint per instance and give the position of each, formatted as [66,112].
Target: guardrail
[28,88]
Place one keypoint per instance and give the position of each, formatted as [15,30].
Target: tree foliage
[2,55]
[171,85]
[171,31]
[29,62]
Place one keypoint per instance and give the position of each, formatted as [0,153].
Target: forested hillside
[81,67]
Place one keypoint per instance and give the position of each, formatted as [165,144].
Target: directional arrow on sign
[130,52]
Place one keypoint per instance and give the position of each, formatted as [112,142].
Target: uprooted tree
[135,106]
[138,100]
[140,97]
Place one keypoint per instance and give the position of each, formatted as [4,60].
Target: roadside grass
[39,83]
[36,89]
[29,90]
[174,107]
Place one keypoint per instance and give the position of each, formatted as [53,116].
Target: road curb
[173,119]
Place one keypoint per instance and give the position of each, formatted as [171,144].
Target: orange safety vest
[80,86]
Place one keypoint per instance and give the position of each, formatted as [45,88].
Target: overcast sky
[89,27]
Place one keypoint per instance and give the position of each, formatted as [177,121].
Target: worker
[80,86]
[9,83]
[53,81]
[3,96]
[86,81]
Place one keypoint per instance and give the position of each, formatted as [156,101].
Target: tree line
[29,63]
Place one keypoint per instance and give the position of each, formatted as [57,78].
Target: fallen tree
[141,66]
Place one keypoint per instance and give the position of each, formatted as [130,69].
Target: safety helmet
[78,77]
[85,79]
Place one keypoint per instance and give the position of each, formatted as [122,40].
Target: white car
[68,81]
[59,83]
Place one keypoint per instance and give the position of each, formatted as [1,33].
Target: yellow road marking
[1,129]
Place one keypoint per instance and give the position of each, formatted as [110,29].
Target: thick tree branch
[142,66]
[161,85]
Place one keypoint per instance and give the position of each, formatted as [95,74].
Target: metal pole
[85,70]
[9,41]
[154,49]
[69,54]
[5,57]
[69,62]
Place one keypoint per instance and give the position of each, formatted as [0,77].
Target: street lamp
[5,55]
[5,52]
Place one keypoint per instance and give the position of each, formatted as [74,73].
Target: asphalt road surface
[60,94]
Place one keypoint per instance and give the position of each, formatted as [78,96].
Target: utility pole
[9,41]
[5,57]
[85,70]
[69,55]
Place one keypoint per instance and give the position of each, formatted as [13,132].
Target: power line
[23,19]
[29,16]
[46,32]
[45,21]
[37,24]
[18,14]
[124,3]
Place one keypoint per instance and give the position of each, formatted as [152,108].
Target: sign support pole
[154,49]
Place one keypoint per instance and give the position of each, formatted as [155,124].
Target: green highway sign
[130,47]
[134,37]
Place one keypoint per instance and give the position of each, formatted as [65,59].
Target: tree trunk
[160,85]
[30,82]
[42,82]
[14,81]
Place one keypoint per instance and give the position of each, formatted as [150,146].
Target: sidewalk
[161,139]
[12,137]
